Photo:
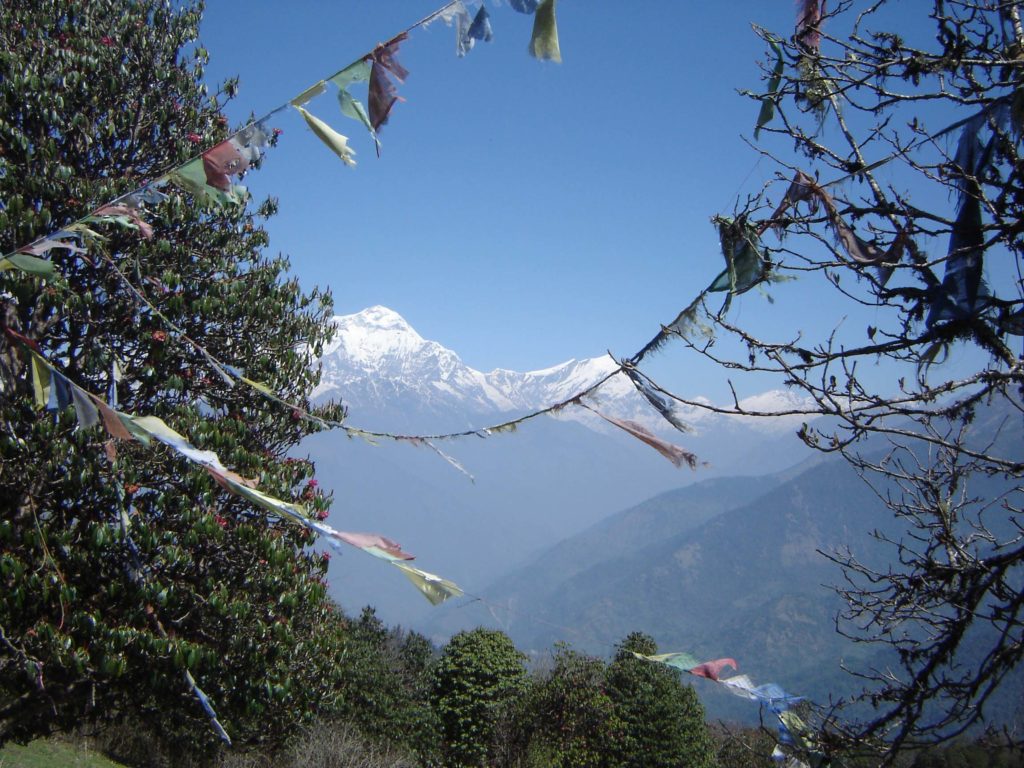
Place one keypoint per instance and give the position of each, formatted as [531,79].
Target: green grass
[52,754]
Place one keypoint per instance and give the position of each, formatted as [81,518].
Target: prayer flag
[334,140]
[434,588]
[544,41]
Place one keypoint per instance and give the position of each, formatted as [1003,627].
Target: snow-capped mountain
[549,481]
[381,368]
[377,359]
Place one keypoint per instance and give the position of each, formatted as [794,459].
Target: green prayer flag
[352,107]
[257,385]
[40,381]
[309,94]
[33,265]
[337,143]
[434,588]
[768,100]
[683,661]
[354,73]
[544,42]
[745,264]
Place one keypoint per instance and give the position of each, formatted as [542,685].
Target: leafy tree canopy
[124,569]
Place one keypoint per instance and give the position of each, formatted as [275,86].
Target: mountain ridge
[377,359]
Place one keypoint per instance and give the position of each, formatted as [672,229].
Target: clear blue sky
[522,213]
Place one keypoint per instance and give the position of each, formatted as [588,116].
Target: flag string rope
[164,176]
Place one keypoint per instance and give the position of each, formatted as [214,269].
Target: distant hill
[729,567]
[726,567]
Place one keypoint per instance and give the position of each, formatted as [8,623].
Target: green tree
[573,719]
[123,566]
[478,683]
[662,719]
[384,685]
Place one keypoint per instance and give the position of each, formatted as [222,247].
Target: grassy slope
[52,754]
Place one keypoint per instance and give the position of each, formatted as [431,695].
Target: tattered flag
[544,41]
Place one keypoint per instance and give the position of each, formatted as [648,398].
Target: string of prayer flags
[208,177]
[334,141]
[678,456]
[687,663]
[791,728]
[374,544]
[677,660]
[746,265]
[712,669]
[86,411]
[54,391]
[770,694]
[309,94]
[59,393]
[147,195]
[136,572]
[420,441]
[544,41]
[204,702]
[383,94]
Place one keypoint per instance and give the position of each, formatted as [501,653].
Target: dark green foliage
[95,97]
[478,682]
[662,719]
[742,747]
[383,684]
[574,719]
[970,755]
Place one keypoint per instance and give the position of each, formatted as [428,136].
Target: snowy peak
[381,368]
[377,363]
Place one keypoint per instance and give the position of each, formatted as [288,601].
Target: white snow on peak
[774,401]
[378,361]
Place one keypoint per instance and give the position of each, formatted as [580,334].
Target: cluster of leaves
[123,567]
